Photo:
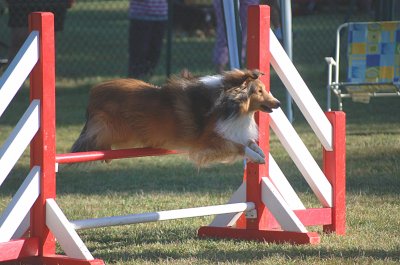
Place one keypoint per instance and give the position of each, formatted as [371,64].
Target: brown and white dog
[210,117]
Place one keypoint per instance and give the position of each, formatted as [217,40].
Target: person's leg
[139,38]
[155,45]
[220,53]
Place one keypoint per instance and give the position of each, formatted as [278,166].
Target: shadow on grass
[374,172]
[250,255]
[177,174]
[167,174]
[173,244]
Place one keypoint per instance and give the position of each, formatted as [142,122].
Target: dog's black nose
[277,104]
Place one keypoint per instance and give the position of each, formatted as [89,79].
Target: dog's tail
[84,142]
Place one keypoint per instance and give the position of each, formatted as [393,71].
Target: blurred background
[94,41]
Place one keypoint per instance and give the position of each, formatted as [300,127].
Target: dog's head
[260,98]
[248,81]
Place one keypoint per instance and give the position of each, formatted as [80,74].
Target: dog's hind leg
[102,136]
[85,141]
[95,136]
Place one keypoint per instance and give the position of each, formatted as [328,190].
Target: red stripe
[70,158]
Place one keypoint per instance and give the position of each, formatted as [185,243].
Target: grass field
[151,184]
[171,182]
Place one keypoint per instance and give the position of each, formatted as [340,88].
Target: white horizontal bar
[163,215]
[229,219]
[65,234]
[279,208]
[19,139]
[301,94]
[283,186]
[301,157]
[20,205]
[18,70]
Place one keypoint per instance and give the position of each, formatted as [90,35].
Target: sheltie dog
[210,117]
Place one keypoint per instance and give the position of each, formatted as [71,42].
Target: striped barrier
[265,207]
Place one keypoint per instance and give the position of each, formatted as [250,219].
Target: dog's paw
[253,146]
[254,156]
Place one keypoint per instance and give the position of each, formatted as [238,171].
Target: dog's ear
[251,76]
[237,77]
[254,74]
[185,73]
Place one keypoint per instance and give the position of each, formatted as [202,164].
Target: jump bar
[79,157]
[163,215]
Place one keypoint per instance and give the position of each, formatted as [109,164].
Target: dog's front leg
[254,153]
[254,146]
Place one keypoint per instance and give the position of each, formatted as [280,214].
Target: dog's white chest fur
[238,129]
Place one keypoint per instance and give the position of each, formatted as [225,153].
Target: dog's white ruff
[240,129]
[212,81]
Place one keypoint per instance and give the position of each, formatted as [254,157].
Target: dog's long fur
[210,117]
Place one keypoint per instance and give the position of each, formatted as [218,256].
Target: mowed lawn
[171,182]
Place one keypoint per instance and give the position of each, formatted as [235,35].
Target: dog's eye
[260,91]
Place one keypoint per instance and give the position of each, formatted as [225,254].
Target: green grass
[161,183]
[171,182]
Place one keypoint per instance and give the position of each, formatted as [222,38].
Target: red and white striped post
[42,82]
[43,146]
[335,170]
[262,226]
[259,226]
[258,58]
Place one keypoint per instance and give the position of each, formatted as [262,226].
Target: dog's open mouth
[265,108]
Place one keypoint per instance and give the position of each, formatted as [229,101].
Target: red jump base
[259,235]
[53,260]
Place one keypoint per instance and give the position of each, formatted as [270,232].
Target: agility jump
[264,208]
